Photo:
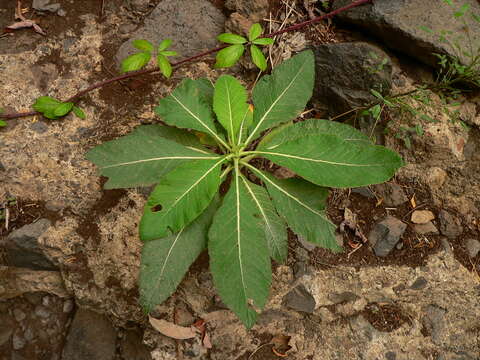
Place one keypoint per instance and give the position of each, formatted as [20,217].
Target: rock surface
[194,26]
[398,23]
[346,72]
[299,299]
[450,225]
[422,216]
[91,337]
[391,194]
[385,235]
[23,248]
[473,247]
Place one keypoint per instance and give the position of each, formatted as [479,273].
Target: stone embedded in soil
[91,337]
[392,194]
[364,191]
[420,283]
[23,249]
[343,297]
[385,235]
[132,347]
[193,25]
[434,323]
[44,5]
[6,329]
[399,25]
[450,225]
[424,229]
[473,247]
[299,299]
[422,216]
[344,76]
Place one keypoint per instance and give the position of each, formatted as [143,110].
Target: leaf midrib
[274,103]
[213,133]
[237,189]
[316,160]
[161,158]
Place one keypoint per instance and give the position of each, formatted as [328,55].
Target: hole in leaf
[156,208]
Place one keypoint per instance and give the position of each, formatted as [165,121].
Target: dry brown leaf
[207,343]
[26,24]
[172,330]
[413,202]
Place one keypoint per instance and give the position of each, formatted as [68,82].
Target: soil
[90,215]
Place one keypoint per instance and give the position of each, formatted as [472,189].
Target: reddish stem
[189,59]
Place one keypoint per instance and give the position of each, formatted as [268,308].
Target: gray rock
[364,191]
[392,194]
[44,5]
[18,342]
[300,269]
[473,247]
[394,22]
[6,330]
[132,347]
[68,305]
[434,322]
[42,312]
[299,299]
[39,127]
[419,284]
[305,244]
[362,328]
[192,25]
[91,337]
[450,225]
[23,249]
[345,75]
[19,315]
[391,355]
[386,234]
[424,229]
[343,297]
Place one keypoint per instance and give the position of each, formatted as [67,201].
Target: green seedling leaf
[79,112]
[376,94]
[168,53]
[263,41]
[426,29]
[280,97]
[293,131]
[463,9]
[143,45]
[164,65]
[166,261]
[63,109]
[231,38]
[135,62]
[144,156]
[229,56]
[186,108]
[239,255]
[449,2]
[180,197]
[275,227]
[2,123]
[254,32]
[327,160]
[165,44]
[230,105]
[476,18]
[46,105]
[375,111]
[258,58]
[302,205]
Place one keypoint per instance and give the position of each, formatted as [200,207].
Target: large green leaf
[166,261]
[302,205]
[280,97]
[328,160]
[275,227]
[179,198]
[230,104]
[293,131]
[144,156]
[186,108]
[239,257]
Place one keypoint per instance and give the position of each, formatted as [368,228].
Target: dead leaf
[172,330]
[26,24]
[207,343]
[413,202]
[280,345]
